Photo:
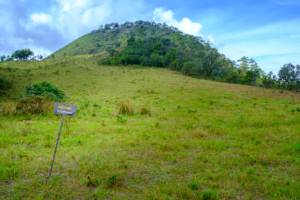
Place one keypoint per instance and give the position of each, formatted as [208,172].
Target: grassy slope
[234,141]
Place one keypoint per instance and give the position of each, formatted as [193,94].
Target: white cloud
[211,38]
[185,25]
[41,18]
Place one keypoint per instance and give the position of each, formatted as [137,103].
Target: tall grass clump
[145,110]
[28,105]
[8,108]
[34,105]
[125,108]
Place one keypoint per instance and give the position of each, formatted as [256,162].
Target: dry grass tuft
[28,105]
[125,108]
[145,110]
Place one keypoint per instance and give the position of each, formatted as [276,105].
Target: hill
[158,45]
[203,139]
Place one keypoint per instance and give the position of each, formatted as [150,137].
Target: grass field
[202,140]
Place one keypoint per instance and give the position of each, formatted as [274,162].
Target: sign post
[63,109]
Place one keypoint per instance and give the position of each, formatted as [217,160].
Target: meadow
[201,139]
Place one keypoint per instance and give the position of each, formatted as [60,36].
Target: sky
[267,30]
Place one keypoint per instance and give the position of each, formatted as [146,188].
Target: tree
[112,52]
[289,76]
[131,41]
[269,80]
[2,58]
[188,67]
[210,62]
[250,77]
[23,54]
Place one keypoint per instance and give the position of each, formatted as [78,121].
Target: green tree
[269,80]
[112,52]
[3,58]
[289,77]
[210,62]
[188,68]
[131,41]
[23,54]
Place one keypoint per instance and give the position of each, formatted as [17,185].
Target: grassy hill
[100,40]
[203,139]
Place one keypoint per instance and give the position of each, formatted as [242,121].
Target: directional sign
[61,108]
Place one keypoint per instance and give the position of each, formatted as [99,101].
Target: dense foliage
[45,89]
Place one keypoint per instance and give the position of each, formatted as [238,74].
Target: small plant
[120,118]
[209,195]
[94,114]
[191,111]
[96,161]
[211,102]
[113,180]
[157,124]
[125,108]
[194,185]
[145,110]
[250,171]
[96,105]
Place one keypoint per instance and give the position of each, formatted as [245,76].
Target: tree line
[197,58]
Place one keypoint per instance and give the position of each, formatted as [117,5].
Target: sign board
[61,108]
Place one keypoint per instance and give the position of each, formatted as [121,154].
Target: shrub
[45,89]
[125,108]
[34,105]
[145,110]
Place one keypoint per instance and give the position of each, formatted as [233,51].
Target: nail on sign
[61,109]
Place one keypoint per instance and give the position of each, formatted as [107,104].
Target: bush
[34,105]
[45,89]
[125,108]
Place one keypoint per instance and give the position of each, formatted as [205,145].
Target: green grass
[203,139]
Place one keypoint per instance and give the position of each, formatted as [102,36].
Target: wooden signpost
[62,109]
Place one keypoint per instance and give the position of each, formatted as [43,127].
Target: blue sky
[267,31]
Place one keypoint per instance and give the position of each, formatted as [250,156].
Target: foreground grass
[203,139]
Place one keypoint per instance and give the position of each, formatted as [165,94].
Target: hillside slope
[203,139]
